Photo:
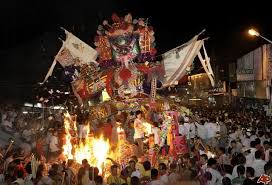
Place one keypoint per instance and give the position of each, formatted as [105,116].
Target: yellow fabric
[115,179]
[169,137]
[140,167]
[85,179]
[146,174]
[129,181]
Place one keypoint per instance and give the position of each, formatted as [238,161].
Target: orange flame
[95,150]
[67,148]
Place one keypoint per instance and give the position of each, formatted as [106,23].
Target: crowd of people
[26,124]
[224,147]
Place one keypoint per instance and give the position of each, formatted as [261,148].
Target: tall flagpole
[50,71]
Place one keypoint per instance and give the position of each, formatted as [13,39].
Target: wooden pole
[9,147]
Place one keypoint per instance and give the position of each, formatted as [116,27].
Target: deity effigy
[124,65]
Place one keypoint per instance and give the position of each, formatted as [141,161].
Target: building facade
[254,73]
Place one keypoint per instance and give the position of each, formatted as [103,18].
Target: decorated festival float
[124,72]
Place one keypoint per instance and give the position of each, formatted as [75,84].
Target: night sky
[30,30]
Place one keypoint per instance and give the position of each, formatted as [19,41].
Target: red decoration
[143,68]
[125,74]
[81,88]
[184,80]
[163,151]
[181,145]
[83,92]
[153,51]
[115,18]
[124,26]
[153,158]
[108,83]
[111,30]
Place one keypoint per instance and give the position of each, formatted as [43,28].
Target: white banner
[206,65]
[178,60]
[80,49]
[73,49]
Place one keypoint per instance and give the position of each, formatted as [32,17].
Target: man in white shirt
[20,178]
[192,131]
[223,128]
[267,136]
[241,160]
[174,176]
[253,136]
[156,132]
[135,172]
[163,173]
[267,150]
[187,127]
[245,139]
[216,177]
[155,178]
[233,135]
[202,130]
[258,164]
[139,131]
[250,158]
[211,134]
[183,130]
[53,144]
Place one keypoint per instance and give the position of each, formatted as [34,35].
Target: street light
[255,33]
